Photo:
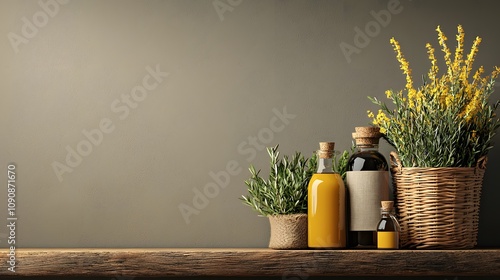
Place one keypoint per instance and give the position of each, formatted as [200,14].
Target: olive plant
[285,191]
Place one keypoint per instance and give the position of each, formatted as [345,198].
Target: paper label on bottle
[366,190]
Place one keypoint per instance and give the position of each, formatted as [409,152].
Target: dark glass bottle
[367,183]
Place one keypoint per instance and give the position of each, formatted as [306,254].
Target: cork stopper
[367,135]
[326,149]
[387,205]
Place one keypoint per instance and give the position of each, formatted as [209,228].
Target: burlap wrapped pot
[288,231]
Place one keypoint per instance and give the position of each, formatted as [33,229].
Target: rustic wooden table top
[162,262]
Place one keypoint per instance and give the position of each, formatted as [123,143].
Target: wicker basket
[438,208]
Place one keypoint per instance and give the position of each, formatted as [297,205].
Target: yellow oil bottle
[326,204]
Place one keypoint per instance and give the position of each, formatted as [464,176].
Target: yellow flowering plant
[446,122]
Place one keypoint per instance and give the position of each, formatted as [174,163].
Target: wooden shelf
[162,262]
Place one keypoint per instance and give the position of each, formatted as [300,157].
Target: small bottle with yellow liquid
[326,203]
[388,228]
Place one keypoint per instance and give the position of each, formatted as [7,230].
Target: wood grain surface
[250,262]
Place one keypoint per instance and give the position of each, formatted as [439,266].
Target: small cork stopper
[327,146]
[367,135]
[326,149]
[387,205]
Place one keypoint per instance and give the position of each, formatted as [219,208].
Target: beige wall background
[179,97]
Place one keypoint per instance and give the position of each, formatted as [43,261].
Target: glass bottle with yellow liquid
[388,228]
[326,203]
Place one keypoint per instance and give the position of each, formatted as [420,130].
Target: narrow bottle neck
[325,165]
[362,148]
[387,213]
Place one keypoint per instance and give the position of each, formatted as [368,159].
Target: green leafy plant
[285,191]
[340,163]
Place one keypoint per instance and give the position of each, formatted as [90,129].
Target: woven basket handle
[396,162]
[481,162]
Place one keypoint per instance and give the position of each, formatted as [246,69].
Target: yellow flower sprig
[448,121]
[459,51]
[434,67]
[405,66]
[471,56]
[447,53]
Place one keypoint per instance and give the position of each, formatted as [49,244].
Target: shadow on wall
[488,220]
